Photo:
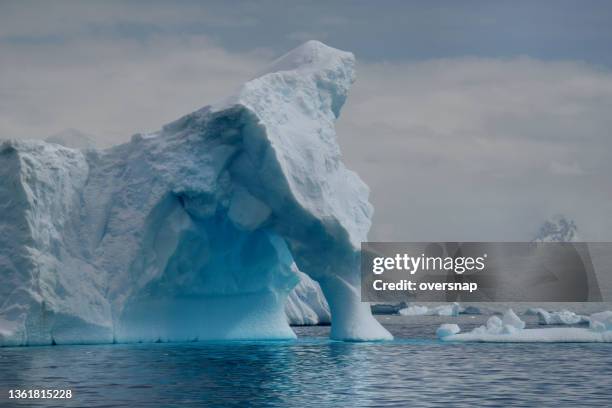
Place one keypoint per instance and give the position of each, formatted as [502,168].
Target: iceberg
[194,232]
[511,329]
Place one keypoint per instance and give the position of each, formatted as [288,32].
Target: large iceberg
[193,232]
[306,305]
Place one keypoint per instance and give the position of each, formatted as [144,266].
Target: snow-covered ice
[192,232]
[562,317]
[414,310]
[601,321]
[510,328]
[452,309]
[447,329]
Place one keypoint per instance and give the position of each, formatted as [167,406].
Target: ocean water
[414,370]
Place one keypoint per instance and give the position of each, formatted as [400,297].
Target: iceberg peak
[311,56]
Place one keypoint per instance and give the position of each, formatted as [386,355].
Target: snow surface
[511,329]
[192,232]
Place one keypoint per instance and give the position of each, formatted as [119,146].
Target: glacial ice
[511,329]
[452,309]
[562,317]
[601,321]
[306,304]
[414,310]
[193,232]
[447,329]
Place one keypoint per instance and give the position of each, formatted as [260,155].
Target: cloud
[303,36]
[113,88]
[481,149]
[566,169]
[453,149]
[58,19]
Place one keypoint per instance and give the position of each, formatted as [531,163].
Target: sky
[472,120]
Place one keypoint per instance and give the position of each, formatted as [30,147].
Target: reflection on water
[315,371]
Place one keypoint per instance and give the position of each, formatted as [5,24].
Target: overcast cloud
[455,143]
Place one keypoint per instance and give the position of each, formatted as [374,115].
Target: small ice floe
[447,330]
[601,322]
[387,308]
[414,310]
[452,309]
[511,329]
[563,317]
[471,310]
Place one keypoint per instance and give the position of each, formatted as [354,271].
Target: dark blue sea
[414,370]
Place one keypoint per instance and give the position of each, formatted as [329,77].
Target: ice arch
[193,232]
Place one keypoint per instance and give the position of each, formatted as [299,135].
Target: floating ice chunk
[448,310]
[509,329]
[601,321]
[471,310]
[510,319]
[414,310]
[532,311]
[494,325]
[548,335]
[387,308]
[452,309]
[447,330]
[563,317]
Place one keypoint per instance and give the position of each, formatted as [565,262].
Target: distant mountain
[557,229]
[72,138]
